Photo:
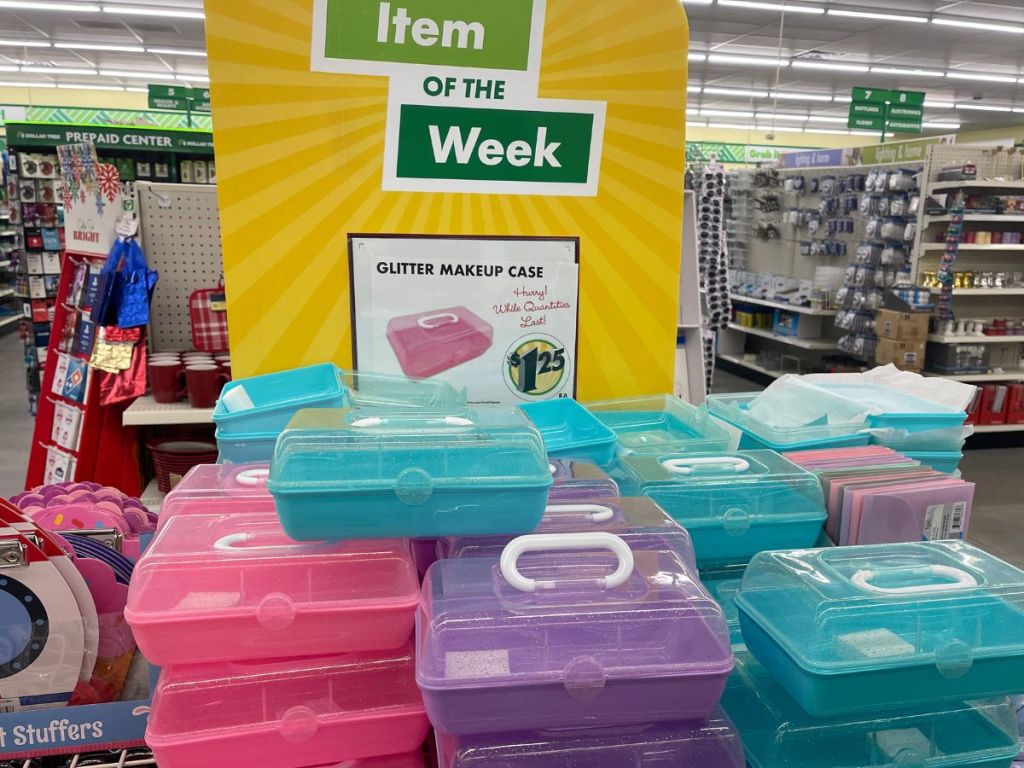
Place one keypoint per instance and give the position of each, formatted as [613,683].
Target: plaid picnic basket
[207,309]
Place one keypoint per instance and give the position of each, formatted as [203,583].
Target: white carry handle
[253,477]
[235,542]
[427,323]
[376,421]
[596,513]
[552,468]
[686,466]
[961,580]
[561,542]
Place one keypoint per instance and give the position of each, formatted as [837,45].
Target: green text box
[462,143]
[900,112]
[907,98]
[457,33]
[872,95]
[866,123]
[866,109]
[904,126]
[161,102]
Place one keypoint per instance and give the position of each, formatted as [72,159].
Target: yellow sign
[535,118]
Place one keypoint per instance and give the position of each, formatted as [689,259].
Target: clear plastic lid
[567,426]
[639,521]
[713,743]
[237,487]
[660,424]
[394,392]
[290,697]
[410,452]
[735,409]
[575,479]
[221,566]
[861,608]
[777,732]
[737,485]
[572,609]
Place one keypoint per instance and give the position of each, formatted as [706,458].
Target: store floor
[997,518]
[15,423]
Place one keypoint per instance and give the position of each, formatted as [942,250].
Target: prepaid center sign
[463,108]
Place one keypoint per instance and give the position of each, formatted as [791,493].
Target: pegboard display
[180,233]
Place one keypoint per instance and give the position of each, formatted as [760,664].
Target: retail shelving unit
[999,174]
[689,371]
[146,412]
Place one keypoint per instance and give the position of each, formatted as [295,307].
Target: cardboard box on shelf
[995,402]
[902,326]
[906,355]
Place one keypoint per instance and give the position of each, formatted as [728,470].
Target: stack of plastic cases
[571,431]
[230,487]
[374,473]
[734,504]
[557,633]
[237,613]
[732,411]
[662,424]
[778,733]
[638,521]
[579,479]
[713,743]
[868,628]
[324,710]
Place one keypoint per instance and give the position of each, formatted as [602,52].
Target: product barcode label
[944,521]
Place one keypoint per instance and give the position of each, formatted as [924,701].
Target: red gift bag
[207,309]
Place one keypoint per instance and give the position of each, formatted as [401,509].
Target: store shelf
[989,428]
[977,378]
[983,291]
[939,186]
[1004,218]
[5,264]
[8,232]
[802,343]
[738,360]
[152,496]
[147,412]
[6,292]
[939,338]
[6,320]
[779,305]
[973,247]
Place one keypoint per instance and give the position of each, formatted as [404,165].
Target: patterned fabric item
[209,320]
[713,261]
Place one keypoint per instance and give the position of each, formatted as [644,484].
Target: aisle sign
[878,109]
[434,132]
[168,97]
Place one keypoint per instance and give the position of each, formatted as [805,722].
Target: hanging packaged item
[428,343]
[568,631]
[349,473]
[230,587]
[210,489]
[867,628]
[777,733]
[636,520]
[571,431]
[208,313]
[660,424]
[579,479]
[734,505]
[712,743]
[287,713]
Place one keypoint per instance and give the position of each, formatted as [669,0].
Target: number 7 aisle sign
[877,109]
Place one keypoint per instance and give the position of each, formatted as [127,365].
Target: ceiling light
[951,126]
[770,116]
[761,6]
[134,10]
[780,128]
[24,44]
[24,84]
[134,75]
[831,66]
[698,124]
[824,119]
[726,113]
[801,96]
[832,131]
[130,89]
[842,99]
[697,56]
[194,78]
[870,133]
[878,16]
[697,2]
[984,107]
[176,51]
[908,72]
[58,71]
[91,47]
[938,104]
[692,111]
[750,94]
[6,68]
[693,89]
[48,5]
[951,22]
[77,86]
[982,78]
[730,126]
[750,61]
